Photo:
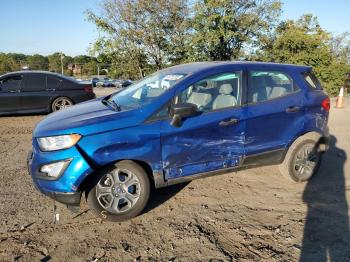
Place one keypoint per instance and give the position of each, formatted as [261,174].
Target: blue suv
[181,123]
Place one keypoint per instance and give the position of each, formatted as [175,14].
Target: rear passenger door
[275,110]
[9,93]
[34,95]
[213,139]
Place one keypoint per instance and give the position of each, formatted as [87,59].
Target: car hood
[87,118]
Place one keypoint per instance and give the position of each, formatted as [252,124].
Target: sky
[48,26]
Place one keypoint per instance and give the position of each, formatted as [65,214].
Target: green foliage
[15,62]
[37,62]
[305,42]
[55,62]
[223,28]
[82,59]
[340,47]
[11,62]
[142,35]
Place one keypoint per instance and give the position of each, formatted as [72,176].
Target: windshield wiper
[112,104]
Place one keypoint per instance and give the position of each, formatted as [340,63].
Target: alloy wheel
[305,161]
[61,103]
[118,191]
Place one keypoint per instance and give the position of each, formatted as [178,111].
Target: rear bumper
[79,98]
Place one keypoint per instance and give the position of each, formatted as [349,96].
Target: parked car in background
[102,82]
[94,81]
[116,83]
[126,83]
[181,123]
[108,83]
[40,92]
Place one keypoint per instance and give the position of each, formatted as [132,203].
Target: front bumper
[65,189]
[71,199]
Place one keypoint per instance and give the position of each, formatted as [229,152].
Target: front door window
[213,93]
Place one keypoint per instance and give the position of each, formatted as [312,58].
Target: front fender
[141,143]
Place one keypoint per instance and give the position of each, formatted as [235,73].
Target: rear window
[312,81]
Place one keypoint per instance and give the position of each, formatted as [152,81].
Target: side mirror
[180,111]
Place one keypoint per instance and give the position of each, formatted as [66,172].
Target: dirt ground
[252,215]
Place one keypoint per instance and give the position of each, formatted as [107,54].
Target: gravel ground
[252,215]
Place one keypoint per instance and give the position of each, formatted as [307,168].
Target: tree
[123,61]
[82,59]
[55,64]
[305,42]
[37,62]
[340,47]
[90,67]
[222,29]
[11,62]
[142,33]
[5,64]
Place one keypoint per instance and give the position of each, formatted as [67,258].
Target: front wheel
[302,160]
[121,193]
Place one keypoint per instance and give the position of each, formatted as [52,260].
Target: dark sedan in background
[40,92]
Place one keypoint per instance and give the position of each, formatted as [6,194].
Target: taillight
[326,104]
[88,89]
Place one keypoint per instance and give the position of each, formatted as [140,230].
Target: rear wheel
[61,103]
[121,193]
[302,160]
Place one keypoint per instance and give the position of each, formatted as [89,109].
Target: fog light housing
[53,171]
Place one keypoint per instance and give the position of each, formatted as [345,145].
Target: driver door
[211,140]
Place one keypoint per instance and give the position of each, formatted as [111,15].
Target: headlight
[53,143]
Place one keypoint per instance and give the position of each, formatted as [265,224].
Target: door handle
[50,89]
[231,121]
[14,91]
[293,109]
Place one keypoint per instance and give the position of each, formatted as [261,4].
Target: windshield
[146,90]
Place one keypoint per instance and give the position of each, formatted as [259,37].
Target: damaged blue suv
[181,123]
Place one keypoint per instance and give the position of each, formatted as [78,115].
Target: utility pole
[98,71]
[61,63]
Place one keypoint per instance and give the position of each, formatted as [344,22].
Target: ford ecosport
[178,124]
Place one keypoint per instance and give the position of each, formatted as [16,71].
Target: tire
[61,103]
[302,159]
[121,200]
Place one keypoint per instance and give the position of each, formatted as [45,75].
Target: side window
[52,82]
[10,84]
[312,81]
[216,92]
[34,82]
[163,113]
[267,85]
